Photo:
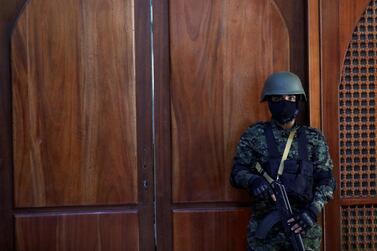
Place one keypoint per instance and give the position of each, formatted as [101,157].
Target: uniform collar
[276,126]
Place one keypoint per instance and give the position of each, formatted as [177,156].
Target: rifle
[283,213]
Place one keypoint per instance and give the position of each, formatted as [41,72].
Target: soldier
[307,174]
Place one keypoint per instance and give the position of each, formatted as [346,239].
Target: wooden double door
[112,142]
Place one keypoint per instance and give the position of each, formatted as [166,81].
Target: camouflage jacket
[253,148]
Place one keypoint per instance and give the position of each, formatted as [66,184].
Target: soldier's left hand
[302,221]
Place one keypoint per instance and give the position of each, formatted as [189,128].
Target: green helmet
[282,83]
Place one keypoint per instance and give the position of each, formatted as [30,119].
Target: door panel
[209,74]
[8,14]
[74,104]
[215,84]
[86,232]
[80,176]
[348,72]
[198,225]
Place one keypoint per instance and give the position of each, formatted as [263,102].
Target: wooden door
[211,59]
[349,42]
[76,126]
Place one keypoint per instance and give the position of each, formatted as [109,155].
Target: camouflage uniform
[253,148]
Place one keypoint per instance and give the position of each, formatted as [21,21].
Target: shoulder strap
[285,153]
[263,173]
[281,166]
[302,144]
[271,143]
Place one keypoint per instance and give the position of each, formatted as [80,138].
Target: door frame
[8,15]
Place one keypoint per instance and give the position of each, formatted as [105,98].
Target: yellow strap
[285,153]
[283,158]
[263,173]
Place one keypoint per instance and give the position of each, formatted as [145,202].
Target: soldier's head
[283,91]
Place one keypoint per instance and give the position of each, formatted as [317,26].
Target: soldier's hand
[260,189]
[302,221]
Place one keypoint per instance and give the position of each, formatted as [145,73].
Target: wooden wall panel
[210,229]
[338,20]
[8,12]
[74,100]
[211,59]
[84,232]
[314,78]
[221,53]
[350,12]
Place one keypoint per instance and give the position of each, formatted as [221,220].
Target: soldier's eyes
[290,98]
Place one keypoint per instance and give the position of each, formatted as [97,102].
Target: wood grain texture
[211,58]
[84,232]
[350,13]
[314,63]
[330,77]
[210,230]
[8,13]
[295,15]
[144,108]
[74,104]
[314,74]
[162,161]
[336,31]
[221,53]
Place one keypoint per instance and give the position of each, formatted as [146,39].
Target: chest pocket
[297,176]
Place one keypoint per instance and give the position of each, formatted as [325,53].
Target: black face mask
[283,111]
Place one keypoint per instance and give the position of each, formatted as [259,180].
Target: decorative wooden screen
[359,227]
[357,135]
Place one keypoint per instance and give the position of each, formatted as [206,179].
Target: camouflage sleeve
[324,182]
[244,159]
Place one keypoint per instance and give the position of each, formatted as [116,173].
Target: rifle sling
[283,158]
[285,153]
[264,173]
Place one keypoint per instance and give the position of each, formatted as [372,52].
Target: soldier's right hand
[259,188]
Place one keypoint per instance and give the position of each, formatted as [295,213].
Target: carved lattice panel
[359,227]
[357,110]
[357,135]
